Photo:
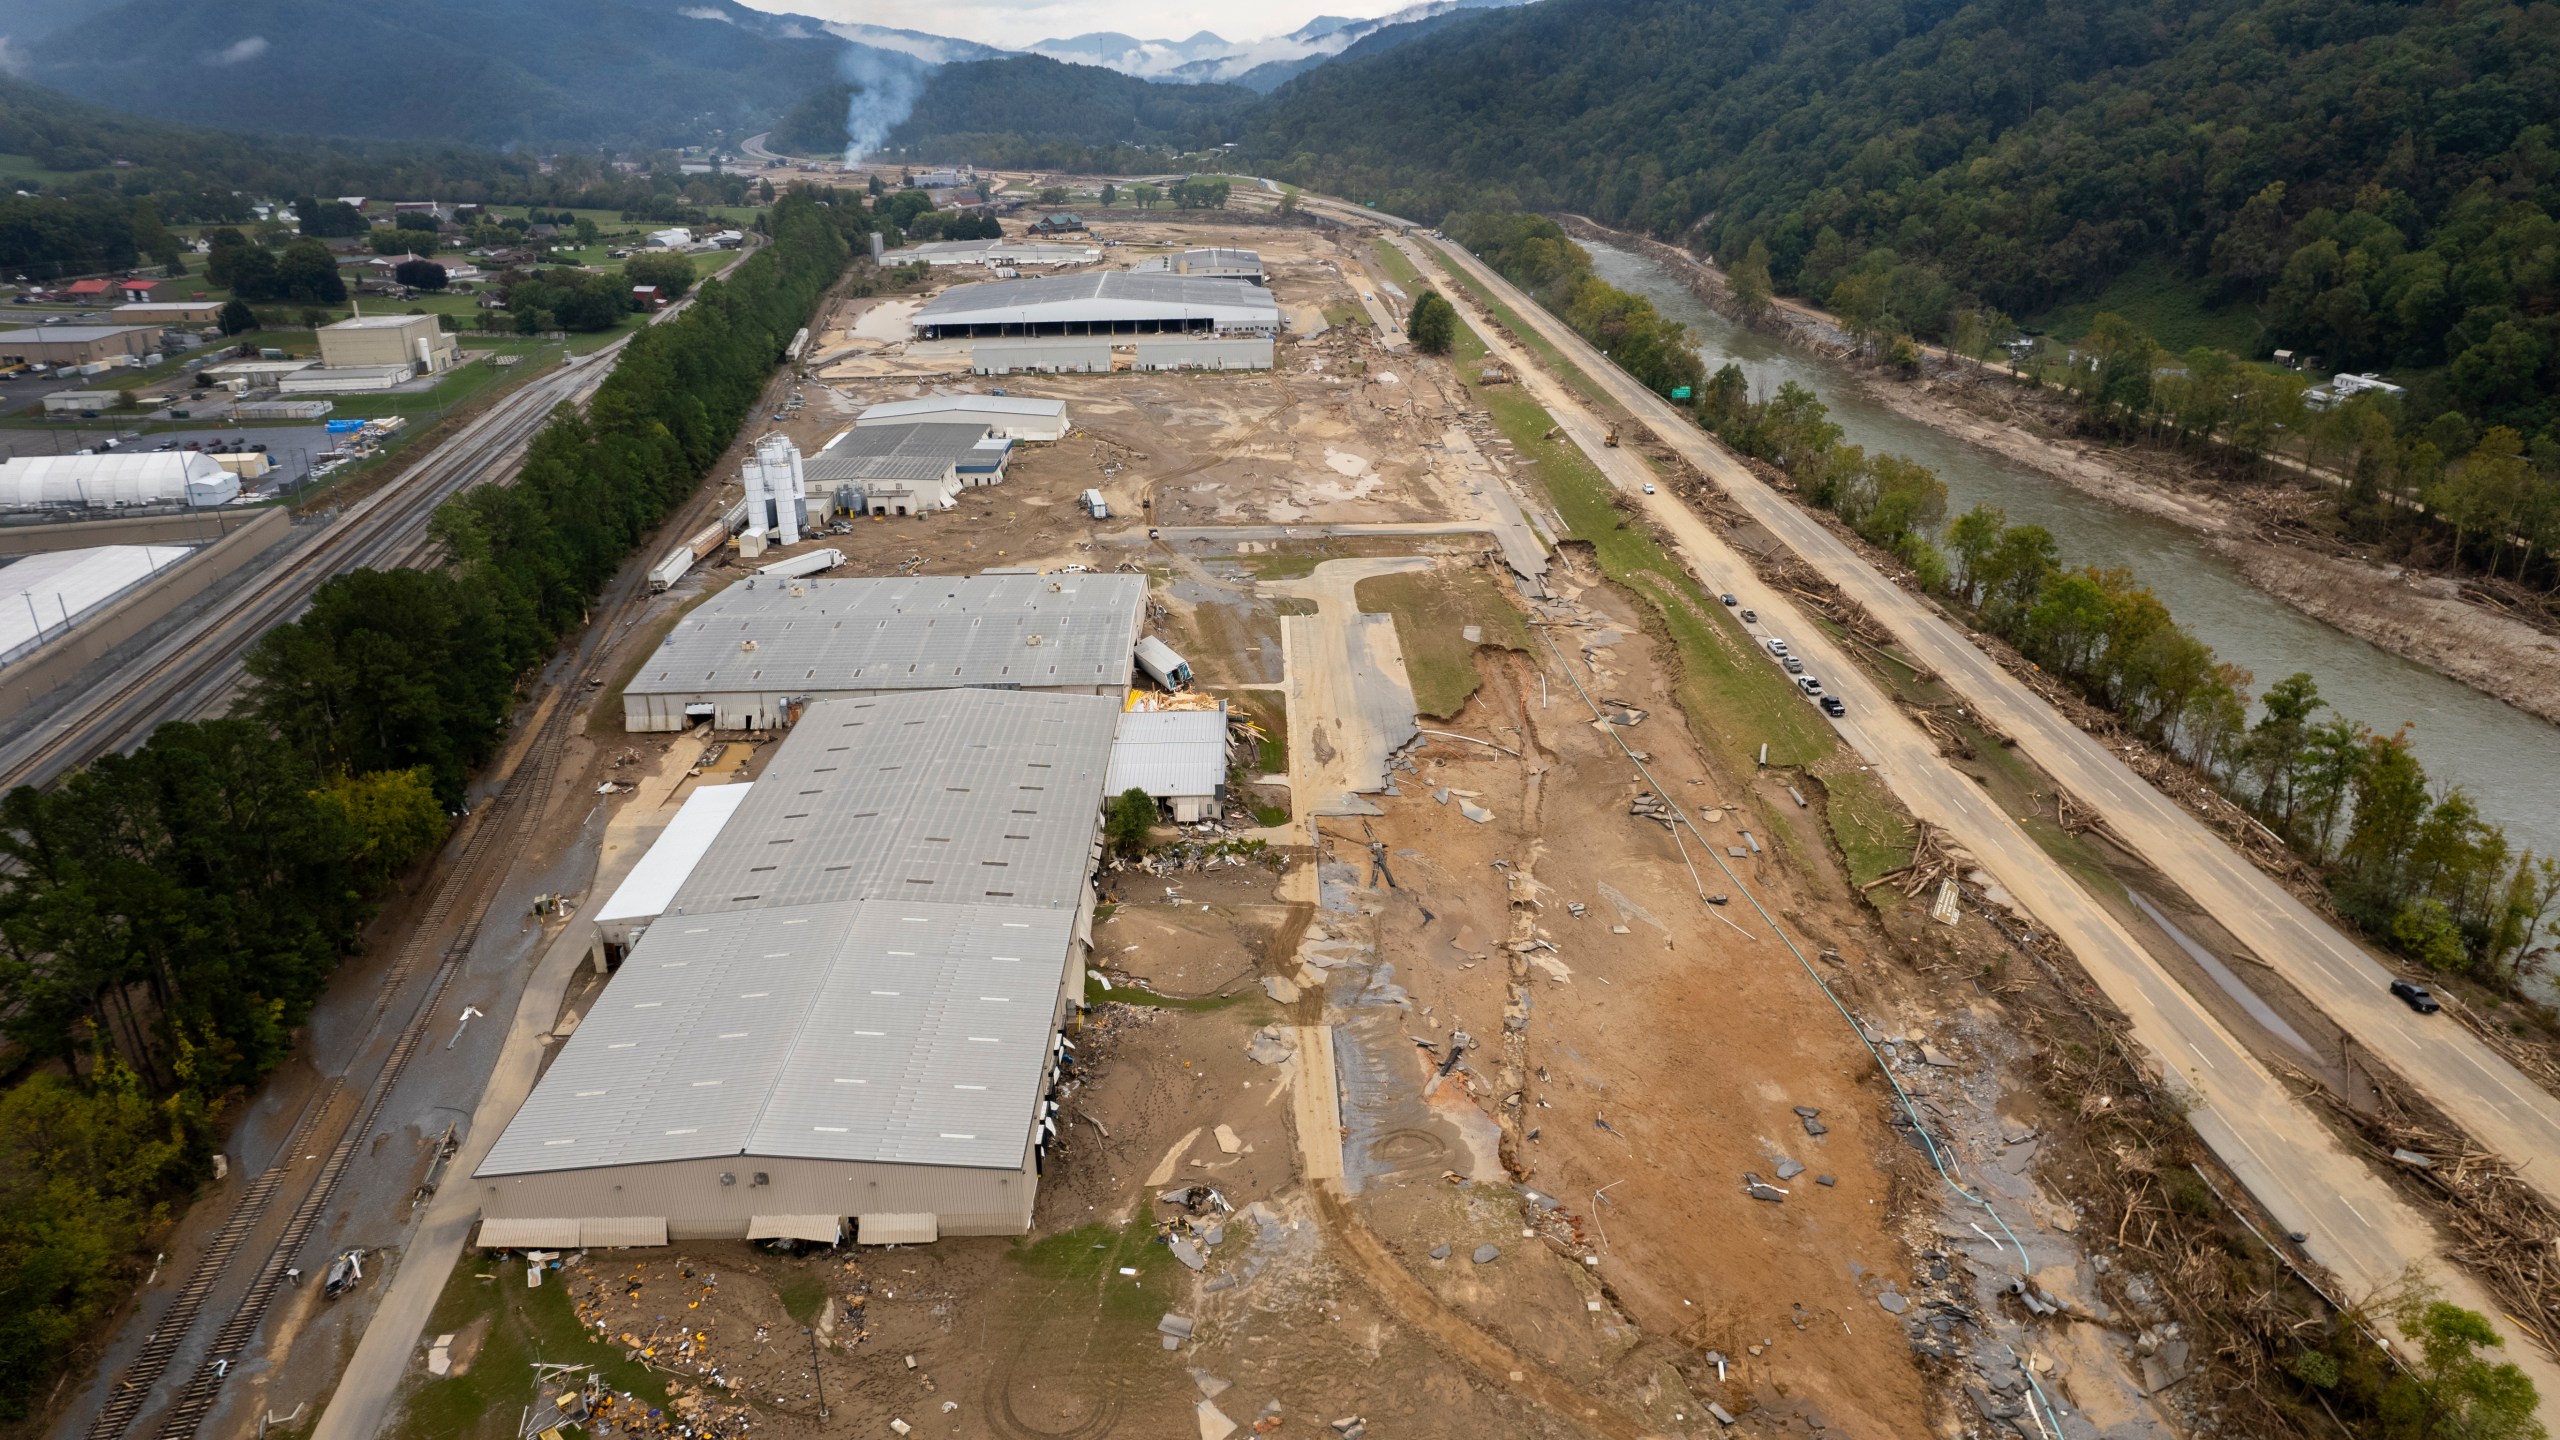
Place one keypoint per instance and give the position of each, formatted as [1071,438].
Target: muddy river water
[2508,760]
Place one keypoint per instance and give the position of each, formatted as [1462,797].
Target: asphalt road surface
[2357,1227]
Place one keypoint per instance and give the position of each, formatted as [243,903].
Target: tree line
[2447,490]
[2372,183]
[168,918]
[2411,863]
[1534,253]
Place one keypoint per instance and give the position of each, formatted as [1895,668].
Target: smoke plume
[885,87]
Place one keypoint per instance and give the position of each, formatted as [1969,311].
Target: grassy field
[2164,305]
[484,1402]
[1874,835]
[1398,268]
[1432,610]
[1268,709]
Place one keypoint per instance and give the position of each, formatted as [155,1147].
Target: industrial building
[106,482]
[1107,302]
[370,342]
[43,597]
[170,312]
[910,469]
[1179,757]
[1040,357]
[1009,417]
[851,1009]
[749,657]
[1235,352]
[1020,254]
[1217,262]
[77,344]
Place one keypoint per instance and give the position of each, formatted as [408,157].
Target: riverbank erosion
[2267,526]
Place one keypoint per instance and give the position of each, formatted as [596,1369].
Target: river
[2509,761]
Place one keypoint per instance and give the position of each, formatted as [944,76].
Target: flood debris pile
[730,1366]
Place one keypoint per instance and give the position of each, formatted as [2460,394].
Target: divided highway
[2357,1226]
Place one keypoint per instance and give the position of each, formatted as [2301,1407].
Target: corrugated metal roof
[924,632]
[1169,752]
[893,411]
[1102,296]
[921,450]
[43,596]
[843,1010]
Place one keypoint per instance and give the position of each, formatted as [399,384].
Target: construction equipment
[1611,439]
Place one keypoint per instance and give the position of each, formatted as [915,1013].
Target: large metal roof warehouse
[851,1009]
[747,656]
[1108,302]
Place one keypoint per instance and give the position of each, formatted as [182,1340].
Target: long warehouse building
[750,656]
[851,1011]
[1107,302]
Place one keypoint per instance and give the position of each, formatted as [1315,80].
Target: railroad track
[507,823]
[199,661]
[498,830]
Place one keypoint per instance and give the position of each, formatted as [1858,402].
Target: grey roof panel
[922,450]
[811,637]
[806,997]
[1169,752]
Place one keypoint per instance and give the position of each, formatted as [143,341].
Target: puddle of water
[2223,975]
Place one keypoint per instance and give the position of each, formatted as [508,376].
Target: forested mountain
[2380,177]
[1019,110]
[489,72]
[107,182]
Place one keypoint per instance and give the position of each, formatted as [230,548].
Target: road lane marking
[2352,1210]
[2207,1059]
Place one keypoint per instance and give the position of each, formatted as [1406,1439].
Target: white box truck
[1093,505]
[808,562]
[1162,665]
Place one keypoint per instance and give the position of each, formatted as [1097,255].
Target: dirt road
[2306,1178]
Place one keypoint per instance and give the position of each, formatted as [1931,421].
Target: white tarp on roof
[643,894]
[43,596]
[171,477]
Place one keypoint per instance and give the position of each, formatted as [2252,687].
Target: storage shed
[1177,756]
[847,1020]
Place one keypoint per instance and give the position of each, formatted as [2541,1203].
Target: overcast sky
[1020,22]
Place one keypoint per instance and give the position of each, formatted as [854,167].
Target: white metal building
[44,597]
[1027,254]
[1240,352]
[1040,357]
[1107,302]
[911,468]
[1011,417]
[1212,261]
[749,656]
[1177,756]
[651,886]
[102,482]
[851,1010]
